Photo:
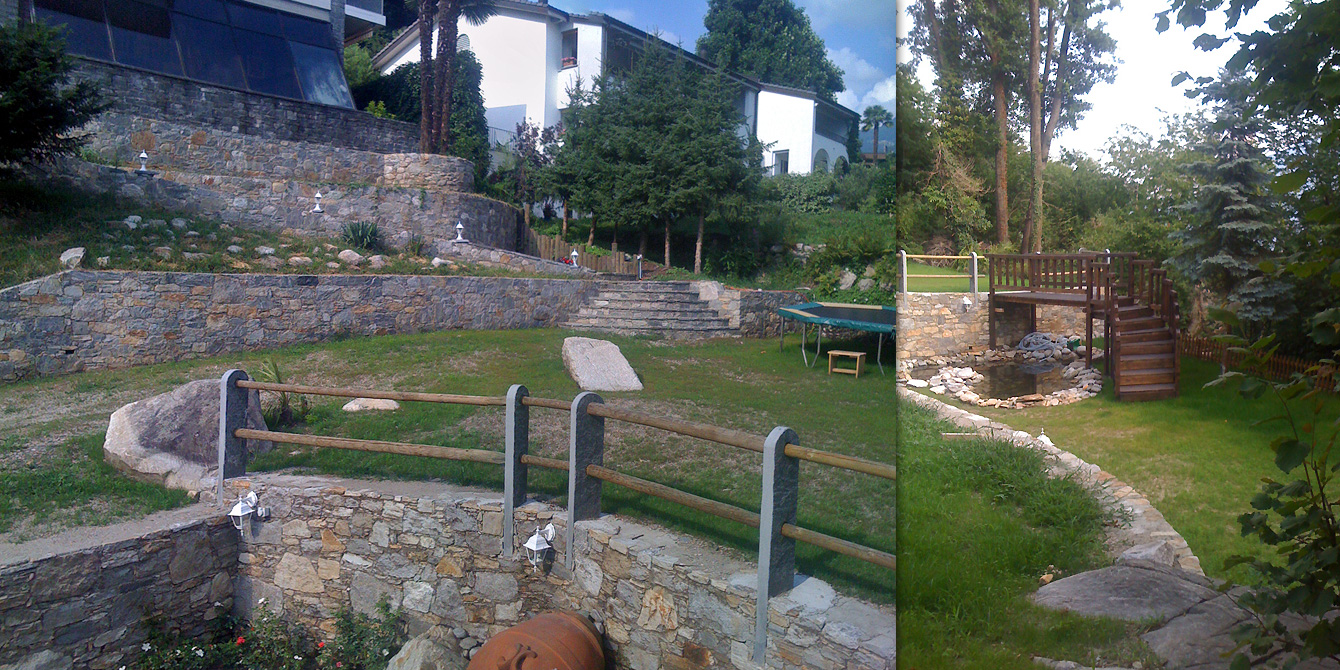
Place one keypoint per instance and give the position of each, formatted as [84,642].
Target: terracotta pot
[551,641]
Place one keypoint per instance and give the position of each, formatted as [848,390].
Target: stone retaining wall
[199,105]
[940,325]
[176,147]
[84,320]
[87,608]
[754,313]
[663,600]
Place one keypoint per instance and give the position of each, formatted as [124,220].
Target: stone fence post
[972,270]
[902,271]
[514,471]
[586,446]
[232,415]
[776,553]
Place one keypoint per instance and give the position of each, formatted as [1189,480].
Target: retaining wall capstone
[663,600]
[88,608]
[944,325]
[83,320]
[140,92]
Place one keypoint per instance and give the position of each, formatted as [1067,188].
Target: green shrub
[377,108]
[362,235]
[414,246]
[806,193]
[280,408]
[40,111]
[363,642]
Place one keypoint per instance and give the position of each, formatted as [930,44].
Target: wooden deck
[1132,297]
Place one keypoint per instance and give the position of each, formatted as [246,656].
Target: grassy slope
[921,285]
[1197,457]
[741,384]
[979,524]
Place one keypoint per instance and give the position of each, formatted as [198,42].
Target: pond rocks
[598,365]
[172,439]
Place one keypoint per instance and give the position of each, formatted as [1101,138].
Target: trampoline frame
[798,313]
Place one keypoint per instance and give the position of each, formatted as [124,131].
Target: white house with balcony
[533,53]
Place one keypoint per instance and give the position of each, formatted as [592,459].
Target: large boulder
[173,439]
[597,365]
[436,649]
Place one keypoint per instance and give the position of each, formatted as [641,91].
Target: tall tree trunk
[566,213]
[527,206]
[614,241]
[1002,157]
[875,149]
[667,243]
[426,107]
[642,244]
[444,71]
[591,236]
[1033,222]
[698,246]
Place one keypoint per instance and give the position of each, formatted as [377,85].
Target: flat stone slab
[370,405]
[598,365]
[1132,592]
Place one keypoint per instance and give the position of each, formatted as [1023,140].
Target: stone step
[658,322]
[680,333]
[620,299]
[649,296]
[619,312]
[650,287]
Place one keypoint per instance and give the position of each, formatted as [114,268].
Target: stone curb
[1147,524]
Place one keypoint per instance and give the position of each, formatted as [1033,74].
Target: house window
[569,48]
[781,162]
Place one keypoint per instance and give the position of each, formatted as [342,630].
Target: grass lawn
[980,522]
[1198,457]
[937,285]
[748,385]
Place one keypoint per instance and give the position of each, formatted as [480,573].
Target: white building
[533,53]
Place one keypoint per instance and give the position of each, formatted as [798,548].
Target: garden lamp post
[460,233]
[317,209]
[573,256]
[144,161]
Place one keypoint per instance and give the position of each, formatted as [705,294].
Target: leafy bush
[39,108]
[362,235]
[414,246]
[280,408]
[806,193]
[363,642]
[377,108]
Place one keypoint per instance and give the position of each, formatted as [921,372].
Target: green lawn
[1199,458]
[937,285]
[980,523]
[747,385]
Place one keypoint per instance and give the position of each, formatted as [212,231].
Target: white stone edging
[1147,524]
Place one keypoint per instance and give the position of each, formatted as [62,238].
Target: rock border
[1147,524]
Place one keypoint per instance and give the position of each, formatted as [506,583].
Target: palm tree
[876,116]
[449,14]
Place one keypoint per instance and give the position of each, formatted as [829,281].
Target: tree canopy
[769,40]
[39,107]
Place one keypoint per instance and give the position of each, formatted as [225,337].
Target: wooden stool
[835,354]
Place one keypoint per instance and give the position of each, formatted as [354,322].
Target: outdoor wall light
[317,209]
[144,161]
[573,255]
[537,547]
[460,233]
[247,506]
[967,304]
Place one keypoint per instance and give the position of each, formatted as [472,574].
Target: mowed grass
[1199,458]
[980,523]
[747,385]
[946,284]
[73,487]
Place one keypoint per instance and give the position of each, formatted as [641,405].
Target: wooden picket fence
[553,248]
[1278,367]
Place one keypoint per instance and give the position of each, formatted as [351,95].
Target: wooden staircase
[1133,298]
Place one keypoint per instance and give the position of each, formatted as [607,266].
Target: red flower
[320,645]
[241,640]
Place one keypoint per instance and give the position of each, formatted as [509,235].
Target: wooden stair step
[1146,361]
[1147,391]
[1146,347]
[1144,335]
[1127,378]
[1140,323]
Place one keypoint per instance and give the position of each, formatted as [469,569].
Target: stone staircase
[670,309]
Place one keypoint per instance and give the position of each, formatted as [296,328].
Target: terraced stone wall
[662,599]
[87,608]
[939,325]
[83,320]
[753,312]
[206,106]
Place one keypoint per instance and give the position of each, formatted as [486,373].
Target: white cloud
[882,93]
[855,13]
[866,84]
[621,14]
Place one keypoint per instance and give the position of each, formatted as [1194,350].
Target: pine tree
[39,108]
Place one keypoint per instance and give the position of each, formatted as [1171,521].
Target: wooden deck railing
[586,469]
[974,273]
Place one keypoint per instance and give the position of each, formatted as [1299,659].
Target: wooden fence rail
[1277,368]
[554,248]
[586,469]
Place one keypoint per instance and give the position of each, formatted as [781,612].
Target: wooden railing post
[902,271]
[517,430]
[586,446]
[232,416]
[776,553]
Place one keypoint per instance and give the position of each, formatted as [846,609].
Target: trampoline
[870,318]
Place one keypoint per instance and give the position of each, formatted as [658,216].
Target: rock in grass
[180,224]
[71,258]
[429,651]
[265,251]
[1131,592]
[377,262]
[234,249]
[370,404]
[351,257]
[163,252]
[104,261]
[173,439]
[299,261]
[598,365]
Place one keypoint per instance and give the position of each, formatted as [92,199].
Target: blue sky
[859,35]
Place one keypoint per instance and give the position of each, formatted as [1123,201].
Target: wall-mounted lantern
[144,161]
[460,234]
[537,547]
[247,506]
